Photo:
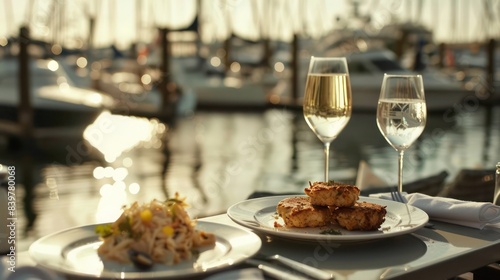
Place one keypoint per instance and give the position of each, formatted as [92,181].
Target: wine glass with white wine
[327,100]
[401,113]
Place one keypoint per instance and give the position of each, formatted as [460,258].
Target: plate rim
[255,225]
[57,265]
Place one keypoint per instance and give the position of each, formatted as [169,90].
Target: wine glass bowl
[327,100]
[401,113]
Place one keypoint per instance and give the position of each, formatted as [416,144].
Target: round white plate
[74,252]
[260,214]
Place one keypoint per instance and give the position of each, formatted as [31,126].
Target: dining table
[441,252]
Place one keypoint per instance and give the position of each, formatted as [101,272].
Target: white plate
[260,214]
[74,252]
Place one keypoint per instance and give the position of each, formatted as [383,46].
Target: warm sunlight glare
[113,135]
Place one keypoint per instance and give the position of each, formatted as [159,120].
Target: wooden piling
[25,109]
[227,49]
[26,123]
[490,70]
[165,55]
[168,111]
[442,55]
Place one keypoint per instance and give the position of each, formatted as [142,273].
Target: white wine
[327,100]
[327,104]
[401,121]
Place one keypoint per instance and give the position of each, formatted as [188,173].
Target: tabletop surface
[443,252]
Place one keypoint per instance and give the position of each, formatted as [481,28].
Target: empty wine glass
[401,113]
[327,100]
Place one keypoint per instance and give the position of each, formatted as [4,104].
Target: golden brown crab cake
[332,194]
[299,212]
[362,216]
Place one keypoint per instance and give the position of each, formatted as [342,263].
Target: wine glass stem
[400,169]
[327,159]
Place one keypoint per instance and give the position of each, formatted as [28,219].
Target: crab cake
[362,216]
[299,212]
[332,194]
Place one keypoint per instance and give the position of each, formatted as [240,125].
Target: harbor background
[219,154]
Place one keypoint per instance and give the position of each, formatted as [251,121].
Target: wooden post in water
[227,49]
[295,69]
[165,55]
[490,70]
[167,110]
[490,92]
[25,119]
[25,110]
[266,44]
[400,45]
[441,53]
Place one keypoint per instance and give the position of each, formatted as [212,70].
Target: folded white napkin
[460,212]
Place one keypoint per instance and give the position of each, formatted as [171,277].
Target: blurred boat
[132,96]
[204,86]
[228,90]
[366,70]
[56,102]
[207,83]
[136,90]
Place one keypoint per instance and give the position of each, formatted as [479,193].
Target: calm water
[217,159]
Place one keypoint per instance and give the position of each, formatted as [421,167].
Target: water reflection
[112,135]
